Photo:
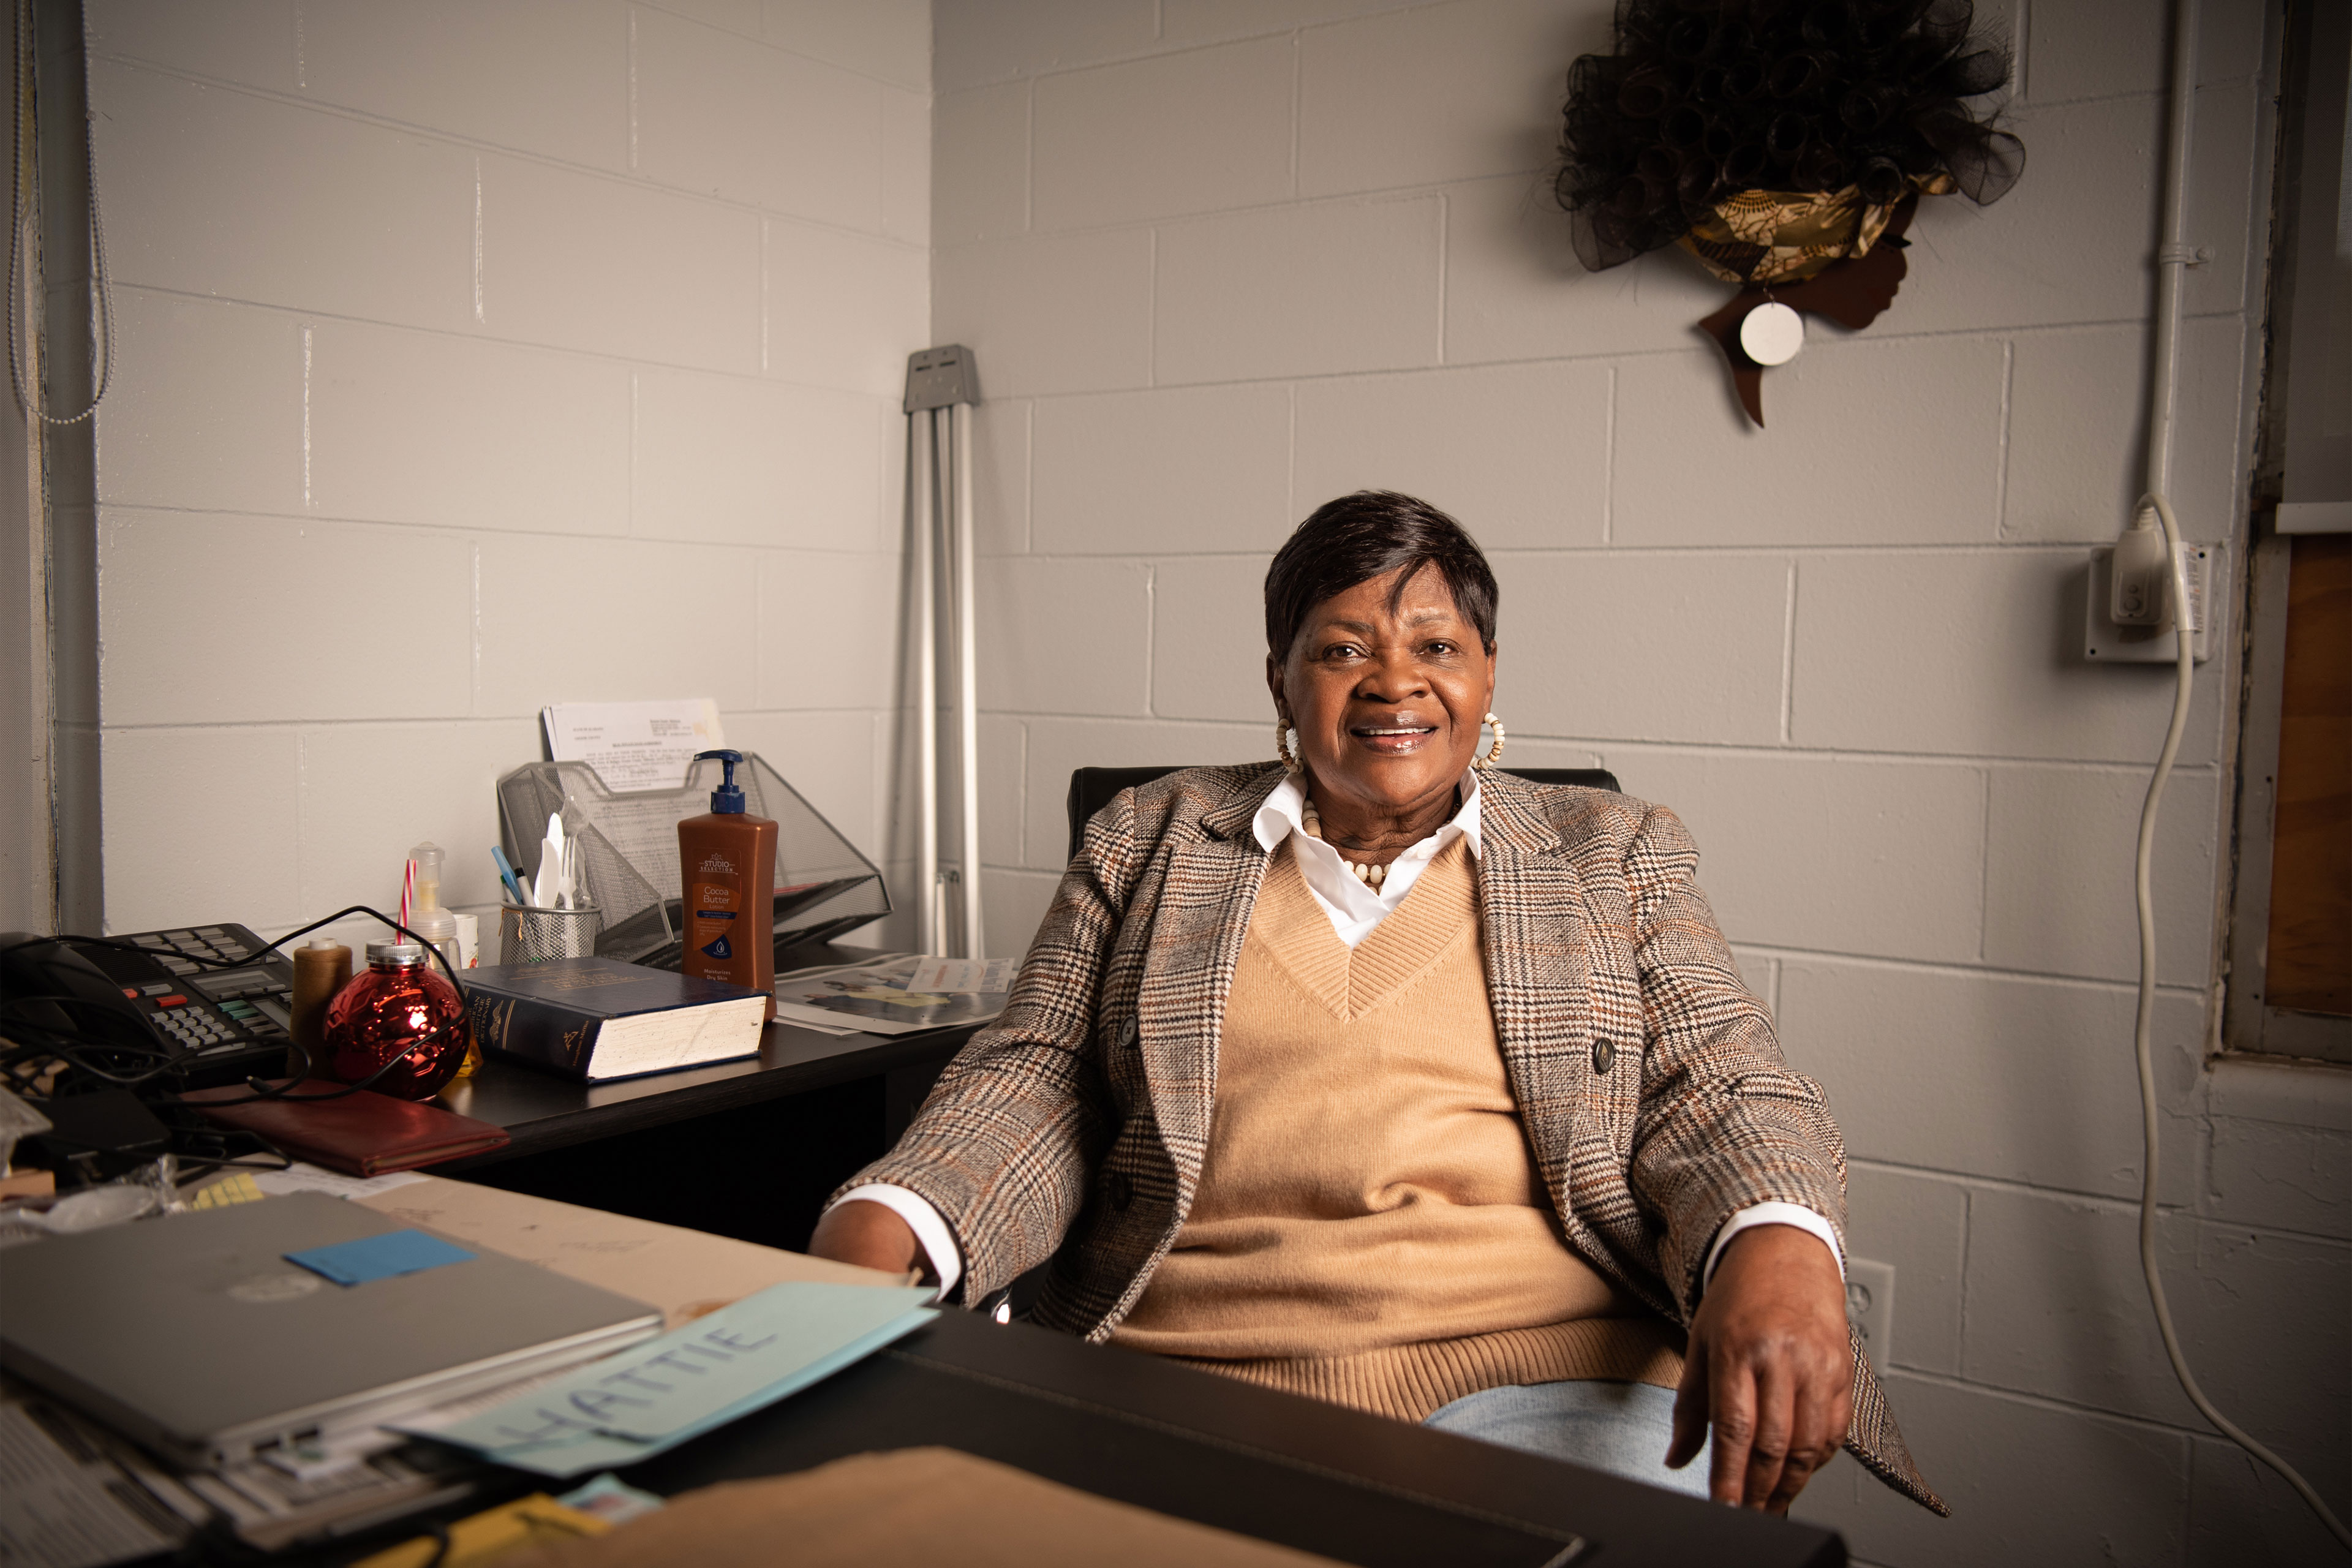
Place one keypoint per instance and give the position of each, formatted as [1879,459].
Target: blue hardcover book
[598,1018]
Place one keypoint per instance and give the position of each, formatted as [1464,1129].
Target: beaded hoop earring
[1282,752]
[1485,764]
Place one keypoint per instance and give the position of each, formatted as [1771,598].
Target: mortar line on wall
[2067,549]
[1967,1226]
[329,721]
[1150,635]
[1138,56]
[1443,211]
[473,530]
[763,41]
[1984,868]
[1621,747]
[301,810]
[881,397]
[305,418]
[2067,1407]
[891,395]
[478,317]
[301,49]
[1297,68]
[1669,351]
[759,628]
[633,91]
[1955,969]
[1789,658]
[1029,477]
[1021,797]
[1151,326]
[764,333]
[1291,454]
[474,670]
[2001,443]
[441,137]
[629,505]
[2105,1203]
[1609,462]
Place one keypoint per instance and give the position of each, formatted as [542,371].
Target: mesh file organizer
[628,851]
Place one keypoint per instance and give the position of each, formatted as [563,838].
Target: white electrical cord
[2184,637]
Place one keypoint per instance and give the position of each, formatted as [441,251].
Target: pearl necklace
[1370,876]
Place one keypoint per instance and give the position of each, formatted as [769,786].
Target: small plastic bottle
[728,862]
[428,919]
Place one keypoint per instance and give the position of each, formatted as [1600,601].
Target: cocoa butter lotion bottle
[726,860]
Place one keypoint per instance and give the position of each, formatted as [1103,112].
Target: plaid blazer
[1655,1095]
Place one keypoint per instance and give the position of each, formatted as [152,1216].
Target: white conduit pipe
[2173,260]
[922,466]
[967,679]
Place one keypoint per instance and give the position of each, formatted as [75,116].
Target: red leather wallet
[362,1134]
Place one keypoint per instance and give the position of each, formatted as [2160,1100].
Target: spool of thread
[321,970]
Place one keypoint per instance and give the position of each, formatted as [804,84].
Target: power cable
[2143,1021]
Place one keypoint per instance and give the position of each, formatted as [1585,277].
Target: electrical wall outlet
[1870,1307]
[2107,643]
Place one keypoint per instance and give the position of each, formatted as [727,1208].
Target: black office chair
[1091,788]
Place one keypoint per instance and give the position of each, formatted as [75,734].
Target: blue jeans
[1620,1427]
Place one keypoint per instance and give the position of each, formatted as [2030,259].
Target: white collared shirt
[1356,909]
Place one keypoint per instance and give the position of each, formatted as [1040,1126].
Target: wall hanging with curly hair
[1785,144]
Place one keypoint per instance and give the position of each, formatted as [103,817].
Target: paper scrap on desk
[384,1257]
[298,1177]
[657,1395]
[64,1509]
[609,1498]
[634,745]
[982,975]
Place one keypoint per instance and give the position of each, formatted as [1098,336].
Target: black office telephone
[210,1004]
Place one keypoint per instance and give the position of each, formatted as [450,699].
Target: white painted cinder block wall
[474,356]
[1221,261]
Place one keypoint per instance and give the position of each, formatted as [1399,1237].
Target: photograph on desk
[877,999]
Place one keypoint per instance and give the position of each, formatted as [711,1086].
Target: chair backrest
[1091,788]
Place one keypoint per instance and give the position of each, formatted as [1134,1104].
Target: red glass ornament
[384,1012]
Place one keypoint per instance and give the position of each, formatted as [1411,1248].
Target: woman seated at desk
[1382,1076]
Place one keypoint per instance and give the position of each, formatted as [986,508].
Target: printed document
[634,745]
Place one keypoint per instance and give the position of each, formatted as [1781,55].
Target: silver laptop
[192,1334]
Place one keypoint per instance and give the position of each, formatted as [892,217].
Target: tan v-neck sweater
[1370,1227]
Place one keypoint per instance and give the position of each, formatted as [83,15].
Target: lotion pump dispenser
[726,860]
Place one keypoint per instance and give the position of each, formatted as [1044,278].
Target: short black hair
[1366,535]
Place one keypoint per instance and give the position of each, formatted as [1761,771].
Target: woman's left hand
[1769,1367]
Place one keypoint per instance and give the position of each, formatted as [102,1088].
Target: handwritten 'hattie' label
[779,1340]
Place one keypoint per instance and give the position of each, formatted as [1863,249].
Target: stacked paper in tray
[660,1393]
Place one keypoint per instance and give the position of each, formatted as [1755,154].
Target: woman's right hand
[869,1235]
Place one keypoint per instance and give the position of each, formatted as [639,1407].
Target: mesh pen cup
[536,936]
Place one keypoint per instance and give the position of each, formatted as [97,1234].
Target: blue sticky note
[378,1256]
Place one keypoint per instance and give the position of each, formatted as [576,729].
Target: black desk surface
[541,1111]
[1146,1431]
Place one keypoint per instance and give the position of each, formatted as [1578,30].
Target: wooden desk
[745,1149]
[1146,1431]
[541,1111]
